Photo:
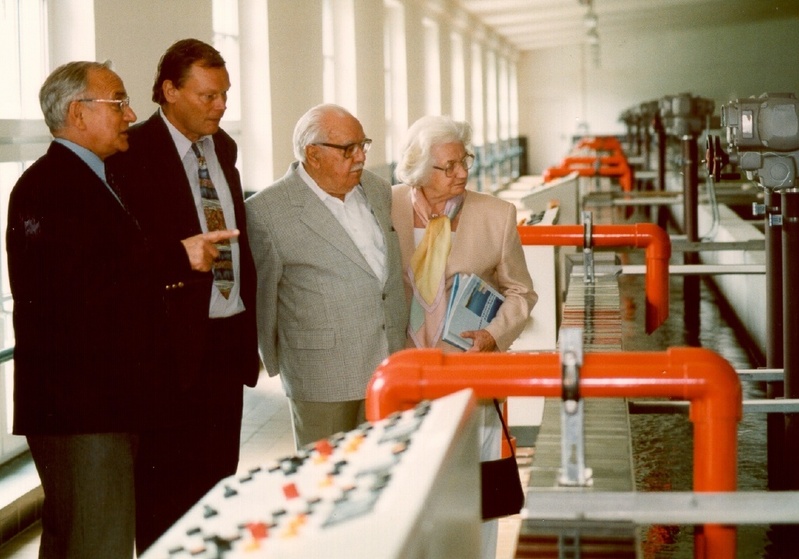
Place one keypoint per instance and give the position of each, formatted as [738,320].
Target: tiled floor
[266,434]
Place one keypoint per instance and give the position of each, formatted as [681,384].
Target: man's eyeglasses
[449,169]
[121,104]
[349,149]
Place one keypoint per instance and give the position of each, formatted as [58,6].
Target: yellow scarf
[427,269]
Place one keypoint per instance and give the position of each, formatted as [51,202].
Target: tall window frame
[395,70]
[458,76]
[225,23]
[23,137]
[478,109]
[339,77]
[432,67]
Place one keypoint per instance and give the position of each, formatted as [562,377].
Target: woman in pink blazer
[444,230]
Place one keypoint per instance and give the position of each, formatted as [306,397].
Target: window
[338,52]
[225,15]
[328,51]
[432,68]
[503,100]
[395,76]
[513,100]
[478,137]
[458,78]
[491,104]
[23,65]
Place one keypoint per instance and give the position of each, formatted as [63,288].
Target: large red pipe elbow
[639,235]
[695,374]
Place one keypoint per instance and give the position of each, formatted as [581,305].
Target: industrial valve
[763,138]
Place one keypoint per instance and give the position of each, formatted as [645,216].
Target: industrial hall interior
[399,279]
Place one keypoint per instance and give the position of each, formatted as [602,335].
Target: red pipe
[609,160]
[599,143]
[695,374]
[623,173]
[639,235]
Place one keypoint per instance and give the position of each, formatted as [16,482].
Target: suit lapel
[402,217]
[167,163]
[315,215]
[459,249]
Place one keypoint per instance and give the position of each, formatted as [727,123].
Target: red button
[290,491]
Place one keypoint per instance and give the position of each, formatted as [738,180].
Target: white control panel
[404,487]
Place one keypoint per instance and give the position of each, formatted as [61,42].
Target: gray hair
[416,162]
[310,130]
[65,84]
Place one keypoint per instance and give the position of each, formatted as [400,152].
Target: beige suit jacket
[325,321]
[487,244]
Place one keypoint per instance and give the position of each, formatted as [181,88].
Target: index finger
[221,235]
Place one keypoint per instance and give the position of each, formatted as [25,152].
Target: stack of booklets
[472,305]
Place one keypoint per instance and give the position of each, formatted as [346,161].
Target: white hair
[416,162]
[65,84]
[310,130]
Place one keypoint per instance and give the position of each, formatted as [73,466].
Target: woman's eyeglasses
[449,169]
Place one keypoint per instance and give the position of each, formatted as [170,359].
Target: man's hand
[201,249]
[481,340]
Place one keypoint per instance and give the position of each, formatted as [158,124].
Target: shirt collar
[182,143]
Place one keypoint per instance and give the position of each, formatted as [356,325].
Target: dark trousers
[88,509]
[177,464]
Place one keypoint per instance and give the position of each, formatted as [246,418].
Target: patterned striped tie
[215,219]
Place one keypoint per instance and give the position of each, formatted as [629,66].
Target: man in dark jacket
[86,316]
[180,179]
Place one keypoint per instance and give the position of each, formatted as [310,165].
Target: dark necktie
[215,219]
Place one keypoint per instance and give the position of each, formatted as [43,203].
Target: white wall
[134,35]
[559,87]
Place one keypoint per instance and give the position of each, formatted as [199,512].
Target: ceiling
[541,24]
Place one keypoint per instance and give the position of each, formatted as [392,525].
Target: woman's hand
[482,340]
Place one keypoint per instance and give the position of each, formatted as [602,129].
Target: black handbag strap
[504,427]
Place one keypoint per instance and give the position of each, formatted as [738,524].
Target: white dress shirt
[219,306]
[356,217]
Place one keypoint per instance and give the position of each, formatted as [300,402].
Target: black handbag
[502,492]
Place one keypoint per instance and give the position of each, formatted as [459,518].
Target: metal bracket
[775,220]
[588,250]
[572,446]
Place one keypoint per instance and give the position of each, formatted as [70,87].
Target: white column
[369,83]
[256,98]
[344,58]
[71,25]
[295,69]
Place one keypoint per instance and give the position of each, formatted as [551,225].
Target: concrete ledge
[21,497]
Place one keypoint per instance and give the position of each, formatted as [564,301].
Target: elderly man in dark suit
[179,176]
[86,319]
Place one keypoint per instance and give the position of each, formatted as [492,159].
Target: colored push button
[324,447]
[354,443]
[258,530]
[290,491]
[293,526]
